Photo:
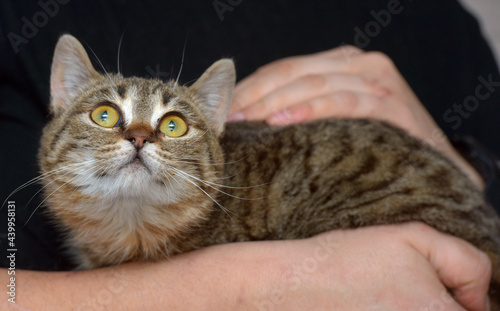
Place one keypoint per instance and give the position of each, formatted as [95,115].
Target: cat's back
[357,172]
[348,148]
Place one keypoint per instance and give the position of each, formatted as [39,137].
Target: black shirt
[437,46]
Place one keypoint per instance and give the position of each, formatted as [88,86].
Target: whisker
[90,175]
[227,177]
[118,56]
[211,162]
[201,136]
[102,66]
[40,177]
[185,177]
[182,63]
[41,189]
[173,177]
[45,199]
[197,163]
[209,184]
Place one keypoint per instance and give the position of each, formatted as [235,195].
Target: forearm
[103,289]
[190,281]
[339,270]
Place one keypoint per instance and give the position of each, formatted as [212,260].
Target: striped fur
[248,182]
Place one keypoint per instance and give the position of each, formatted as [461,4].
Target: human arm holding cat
[331,270]
[344,82]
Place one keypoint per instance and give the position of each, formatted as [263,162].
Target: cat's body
[135,190]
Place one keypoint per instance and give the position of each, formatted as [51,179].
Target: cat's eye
[173,126]
[106,116]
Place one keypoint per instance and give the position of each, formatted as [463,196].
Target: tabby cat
[139,169]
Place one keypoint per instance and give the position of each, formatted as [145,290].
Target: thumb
[462,268]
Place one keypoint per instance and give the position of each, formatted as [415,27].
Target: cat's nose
[139,135]
[139,140]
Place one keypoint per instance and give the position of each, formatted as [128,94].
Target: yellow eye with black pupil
[173,126]
[105,116]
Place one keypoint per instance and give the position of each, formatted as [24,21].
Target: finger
[353,105]
[470,287]
[306,88]
[277,74]
[346,59]
[345,52]
[460,266]
[338,105]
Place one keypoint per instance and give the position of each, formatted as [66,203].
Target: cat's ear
[215,88]
[71,68]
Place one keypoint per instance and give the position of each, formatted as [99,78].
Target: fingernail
[282,117]
[239,116]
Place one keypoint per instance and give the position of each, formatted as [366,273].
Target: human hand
[345,83]
[395,267]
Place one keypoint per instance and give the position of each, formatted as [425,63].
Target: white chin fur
[131,180]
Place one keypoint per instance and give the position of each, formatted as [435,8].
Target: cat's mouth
[136,164]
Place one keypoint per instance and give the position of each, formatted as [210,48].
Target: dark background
[436,45]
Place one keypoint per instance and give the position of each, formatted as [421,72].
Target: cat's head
[114,137]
